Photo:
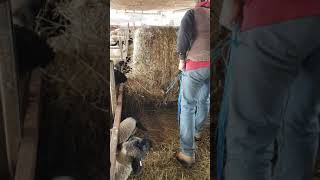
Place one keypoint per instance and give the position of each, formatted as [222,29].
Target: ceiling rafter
[146,5]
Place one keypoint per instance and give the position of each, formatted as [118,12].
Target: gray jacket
[193,40]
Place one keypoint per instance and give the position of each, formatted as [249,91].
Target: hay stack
[154,65]
[81,67]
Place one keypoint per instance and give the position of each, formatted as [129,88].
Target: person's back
[200,48]
[193,47]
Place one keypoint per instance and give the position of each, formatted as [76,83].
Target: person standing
[193,47]
[275,90]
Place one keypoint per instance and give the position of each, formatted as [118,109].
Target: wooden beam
[113,93]
[114,47]
[127,36]
[8,86]
[114,133]
[27,157]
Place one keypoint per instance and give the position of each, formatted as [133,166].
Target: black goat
[119,77]
[31,50]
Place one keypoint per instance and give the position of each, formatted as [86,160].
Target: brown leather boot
[185,161]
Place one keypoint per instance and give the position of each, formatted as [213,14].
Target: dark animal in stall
[130,41]
[119,65]
[119,77]
[123,66]
[31,50]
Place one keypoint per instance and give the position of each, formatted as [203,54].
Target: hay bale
[154,64]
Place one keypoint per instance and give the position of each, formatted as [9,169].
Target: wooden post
[8,86]
[114,133]
[112,90]
[127,42]
[121,48]
[27,157]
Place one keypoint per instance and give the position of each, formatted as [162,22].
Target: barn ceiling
[145,5]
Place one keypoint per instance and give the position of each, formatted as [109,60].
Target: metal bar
[9,86]
[114,133]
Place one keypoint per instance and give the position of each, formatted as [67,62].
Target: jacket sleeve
[186,34]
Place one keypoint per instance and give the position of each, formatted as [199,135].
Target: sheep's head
[133,152]
[131,149]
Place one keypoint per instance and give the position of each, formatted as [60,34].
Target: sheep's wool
[126,129]
[122,171]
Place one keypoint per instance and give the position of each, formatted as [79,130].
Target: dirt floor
[160,162]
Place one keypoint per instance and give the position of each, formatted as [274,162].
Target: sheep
[130,151]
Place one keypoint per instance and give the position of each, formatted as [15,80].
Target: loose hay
[154,65]
[76,108]
[160,163]
[80,67]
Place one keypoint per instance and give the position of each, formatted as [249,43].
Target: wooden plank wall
[115,131]
[27,156]
[4,171]
[9,88]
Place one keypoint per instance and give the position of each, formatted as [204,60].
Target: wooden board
[4,171]
[115,131]
[8,87]
[27,156]
[113,92]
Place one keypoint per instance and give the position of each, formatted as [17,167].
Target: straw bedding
[160,163]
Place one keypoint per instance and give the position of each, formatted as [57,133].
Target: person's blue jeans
[274,97]
[195,102]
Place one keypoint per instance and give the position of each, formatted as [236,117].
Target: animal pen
[151,91]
